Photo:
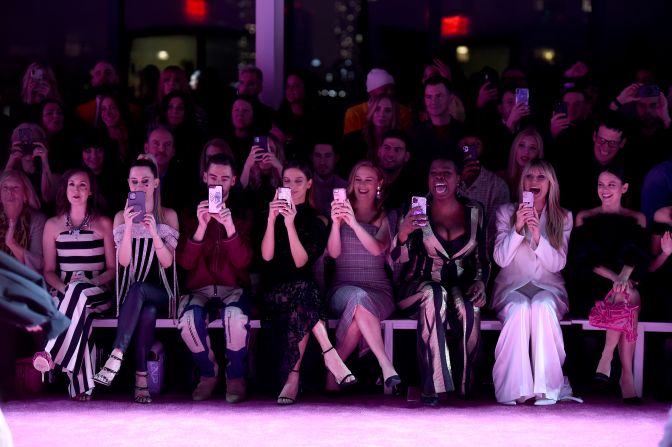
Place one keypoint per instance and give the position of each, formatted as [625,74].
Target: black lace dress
[609,240]
[292,300]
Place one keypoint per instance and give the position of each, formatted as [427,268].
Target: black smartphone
[26,141]
[469,153]
[561,108]
[648,91]
[262,142]
[136,199]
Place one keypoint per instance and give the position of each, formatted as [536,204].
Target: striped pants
[71,350]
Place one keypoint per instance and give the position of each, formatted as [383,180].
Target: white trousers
[524,369]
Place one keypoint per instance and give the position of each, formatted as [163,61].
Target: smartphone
[419,202]
[215,201]
[340,195]
[26,140]
[469,153]
[528,199]
[522,96]
[648,91]
[561,108]
[136,199]
[285,194]
[262,142]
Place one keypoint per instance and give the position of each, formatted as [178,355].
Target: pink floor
[349,421]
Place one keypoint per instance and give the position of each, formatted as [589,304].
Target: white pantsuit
[530,299]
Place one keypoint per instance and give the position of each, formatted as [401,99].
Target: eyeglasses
[612,143]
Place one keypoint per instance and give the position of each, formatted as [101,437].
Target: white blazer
[521,262]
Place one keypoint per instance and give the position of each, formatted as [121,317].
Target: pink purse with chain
[608,314]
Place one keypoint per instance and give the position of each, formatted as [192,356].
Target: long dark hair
[94,203]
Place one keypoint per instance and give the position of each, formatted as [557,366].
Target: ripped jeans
[197,309]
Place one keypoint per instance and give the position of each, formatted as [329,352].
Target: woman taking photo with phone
[145,235]
[361,293]
[294,238]
[79,265]
[529,294]
[609,256]
[445,271]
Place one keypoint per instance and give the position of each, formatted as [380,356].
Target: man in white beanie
[378,82]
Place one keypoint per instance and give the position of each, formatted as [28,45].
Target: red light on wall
[455,26]
[195,9]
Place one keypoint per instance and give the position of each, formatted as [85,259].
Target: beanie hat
[377,78]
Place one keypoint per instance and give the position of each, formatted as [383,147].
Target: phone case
[136,199]
[214,199]
[418,201]
[285,194]
[340,194]
[528,199]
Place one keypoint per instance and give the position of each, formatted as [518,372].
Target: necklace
[75,230]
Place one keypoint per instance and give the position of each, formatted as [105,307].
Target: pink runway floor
[316,421]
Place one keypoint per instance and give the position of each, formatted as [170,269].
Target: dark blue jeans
[139,311]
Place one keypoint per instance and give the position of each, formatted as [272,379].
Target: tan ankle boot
[204,388]
[236,390]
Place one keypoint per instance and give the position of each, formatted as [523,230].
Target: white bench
[389,326]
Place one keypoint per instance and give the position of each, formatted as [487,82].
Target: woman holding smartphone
[79,264]
[293,240]
[445,268]
[609,255]
[146,278]
[361,292]
[529,293]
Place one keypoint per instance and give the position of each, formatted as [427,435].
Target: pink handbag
[608,314]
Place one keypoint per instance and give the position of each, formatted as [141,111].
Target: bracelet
[617,103]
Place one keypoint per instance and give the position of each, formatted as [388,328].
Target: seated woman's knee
[544,301]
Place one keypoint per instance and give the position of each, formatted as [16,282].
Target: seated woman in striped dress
[361,292]
[146,281]
[79,264]
[445,268]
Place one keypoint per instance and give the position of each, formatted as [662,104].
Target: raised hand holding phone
[136,200]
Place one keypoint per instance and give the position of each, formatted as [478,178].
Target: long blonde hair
[513,172]
[556,214]
[369,130]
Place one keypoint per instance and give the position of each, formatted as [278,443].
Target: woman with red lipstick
[527,146]
[79,264]
[445,271]
[293,308]
[361,292]
[609,256]
[529,293]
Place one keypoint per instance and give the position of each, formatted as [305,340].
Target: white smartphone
[419,202]
[340,194]
[285,194]
[215,199]
[528,199]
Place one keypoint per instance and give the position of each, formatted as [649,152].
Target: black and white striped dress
[144,265]
[79,255]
